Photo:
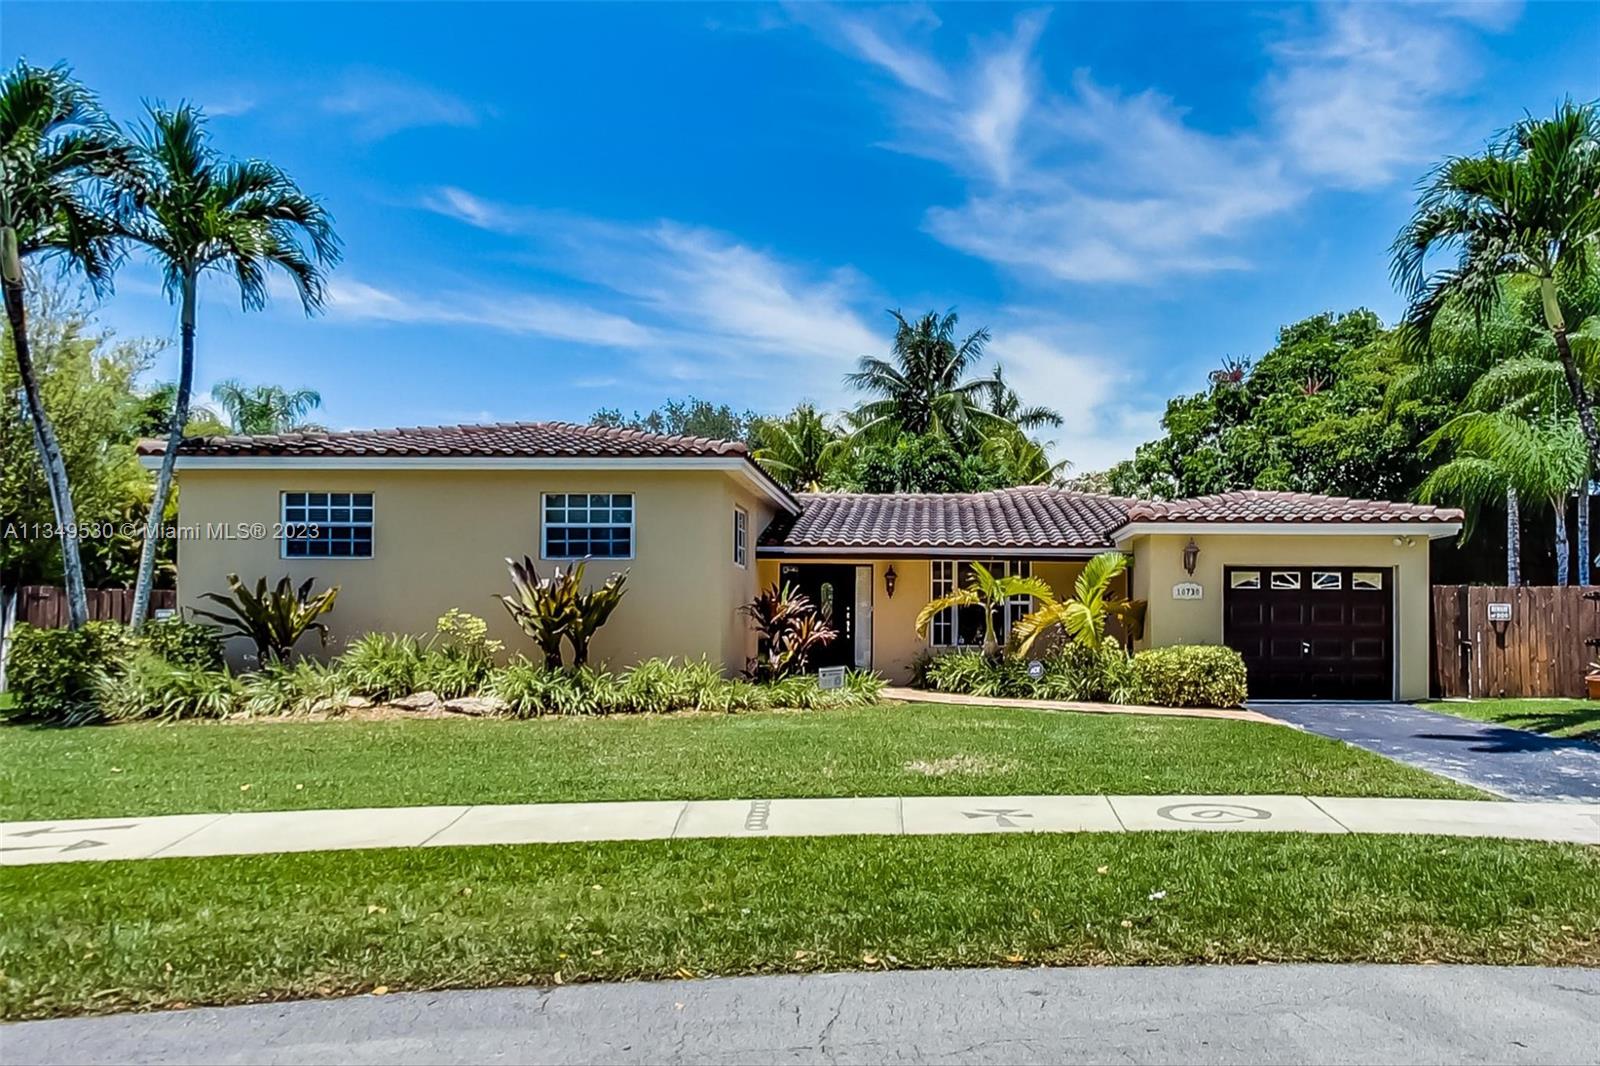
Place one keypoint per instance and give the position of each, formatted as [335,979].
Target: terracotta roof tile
[1252,505]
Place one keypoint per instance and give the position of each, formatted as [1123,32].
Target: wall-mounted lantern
[889,580]
[1191,556]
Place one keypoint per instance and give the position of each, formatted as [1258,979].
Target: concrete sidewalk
[1141,1014]
[23,843]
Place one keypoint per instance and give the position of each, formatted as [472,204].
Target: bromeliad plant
[1084,616]
[788,629]
[557,608]
[989,592]
[275,621]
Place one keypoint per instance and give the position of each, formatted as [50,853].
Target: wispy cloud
[379,104]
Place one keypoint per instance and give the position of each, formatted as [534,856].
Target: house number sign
[1188,590]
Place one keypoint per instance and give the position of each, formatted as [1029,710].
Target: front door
[1317,633]
[831,588]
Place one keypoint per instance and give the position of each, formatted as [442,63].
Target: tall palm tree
[259,409]
[56,147]
[801,449]
[1527,208]
[195,212]
[923,387]
[1002,401]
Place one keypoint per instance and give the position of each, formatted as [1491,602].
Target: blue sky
[548,209]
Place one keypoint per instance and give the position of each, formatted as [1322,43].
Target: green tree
[923,387]
[264,409]
[56,146]
[1525,208]
[194,212]
[802,451]
[689,417]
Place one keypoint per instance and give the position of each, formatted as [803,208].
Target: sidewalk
[167,836]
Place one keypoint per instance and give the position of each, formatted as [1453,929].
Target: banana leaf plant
[989,592]
[276,620]
[1084,615]
[556,608]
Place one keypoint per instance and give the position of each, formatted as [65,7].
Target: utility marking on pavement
[756,820]
[88,829]
[1002,815]
[77,845]
[1212,813]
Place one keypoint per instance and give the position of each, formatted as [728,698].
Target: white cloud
[379,104]
[465,207]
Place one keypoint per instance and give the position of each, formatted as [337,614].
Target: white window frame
[741,538]
[545,524]
[284,524]
[943,574]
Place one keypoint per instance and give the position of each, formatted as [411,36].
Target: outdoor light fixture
[1191,555]
[888,581]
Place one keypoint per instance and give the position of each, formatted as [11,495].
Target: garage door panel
[1328,614]
[1313,632]
[1286,613]
[1247,614]
[1370,614]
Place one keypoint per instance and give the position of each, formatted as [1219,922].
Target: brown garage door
[1318,633]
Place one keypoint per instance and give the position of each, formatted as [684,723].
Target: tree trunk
[169,459]
[1513,540]
[1580,395]
[1585,560]
[1563,549]
[45,440]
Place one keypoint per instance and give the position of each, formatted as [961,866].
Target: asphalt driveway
[1510,762]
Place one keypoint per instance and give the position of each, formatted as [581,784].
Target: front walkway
[1509,762]
[917,695]
[257,833]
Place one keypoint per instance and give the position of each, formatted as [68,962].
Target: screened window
[961,627]
[327,525]
[581,525]
[741,534]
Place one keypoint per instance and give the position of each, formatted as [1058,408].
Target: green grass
[913,749]
[1556,718]
[96,937]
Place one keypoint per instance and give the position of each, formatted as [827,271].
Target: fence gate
[1531,641]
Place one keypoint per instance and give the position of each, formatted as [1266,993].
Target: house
[1325,597]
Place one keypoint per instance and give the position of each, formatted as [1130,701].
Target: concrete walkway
[1154,1014]
[256,833]
[1508,762]
[917,695]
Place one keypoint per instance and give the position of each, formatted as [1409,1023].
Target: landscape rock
[357,703]
[479,706]
[417,701]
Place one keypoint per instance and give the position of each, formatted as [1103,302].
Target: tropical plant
[150,687]
[558,608]
[195,213]
[382,666]
[1188,675]
[1083,616]
[788,631]
[1527,208]
[260,409]
[802,451]
[274,621]
[56,147]
[990,593]
[1002,401]
[923,387]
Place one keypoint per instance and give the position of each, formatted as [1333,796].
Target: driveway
[1246,1014]
[1511,762]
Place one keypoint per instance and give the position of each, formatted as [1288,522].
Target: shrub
[381,666]
[52,672]
[274,621]
[555,608]
[184,643]
[299,688]
[1188,675]
[150,687]
[457,661]
[973,674]
[1078,672]
[788,629]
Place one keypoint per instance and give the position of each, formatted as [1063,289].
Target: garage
[1312,632]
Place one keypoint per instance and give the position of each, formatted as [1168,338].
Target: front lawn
[98,937]
[912,749]
[1556,718]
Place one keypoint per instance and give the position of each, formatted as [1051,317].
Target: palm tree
[801,449]
[194,213]
[1527,208]
[922,388]
[264,409]
[1084,615]
[1003,402]
[986,591]
[56,146]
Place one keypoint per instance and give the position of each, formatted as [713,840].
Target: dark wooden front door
[1319,633]
[832,590]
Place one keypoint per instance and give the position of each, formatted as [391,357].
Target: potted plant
[1592,679]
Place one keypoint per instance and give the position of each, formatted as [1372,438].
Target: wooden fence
[1543,650]
[46,607]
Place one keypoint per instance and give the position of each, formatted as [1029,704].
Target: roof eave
[1430,528]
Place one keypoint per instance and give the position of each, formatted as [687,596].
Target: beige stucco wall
[1158,566]
[441,538]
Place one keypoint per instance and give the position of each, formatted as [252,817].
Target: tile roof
[503,439]
[1256,506]
[1033,517]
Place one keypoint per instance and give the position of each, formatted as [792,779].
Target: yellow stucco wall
[1158,566]
[441,538]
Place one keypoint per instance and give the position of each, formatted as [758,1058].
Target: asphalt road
[1259,1014]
